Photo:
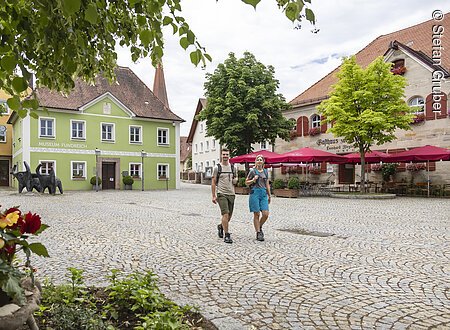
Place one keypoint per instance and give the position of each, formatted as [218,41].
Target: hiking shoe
[220,231]
[228,239]
[259,236]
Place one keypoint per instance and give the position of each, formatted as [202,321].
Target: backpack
[219,172]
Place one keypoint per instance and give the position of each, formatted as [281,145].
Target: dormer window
[398,67]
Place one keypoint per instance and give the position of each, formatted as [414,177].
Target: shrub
[294,183]
[387,170]
[241,182]
[241,174]
[127,180]
[93,180]
[278,184]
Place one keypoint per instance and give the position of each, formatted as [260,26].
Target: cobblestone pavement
[386,266]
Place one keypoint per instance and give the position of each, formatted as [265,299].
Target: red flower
[13,209]
[31,223]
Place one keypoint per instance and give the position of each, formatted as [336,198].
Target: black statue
[26,179]
[49,181]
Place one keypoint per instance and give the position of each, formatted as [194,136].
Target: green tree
[242,104]
[366,106]
[61,40]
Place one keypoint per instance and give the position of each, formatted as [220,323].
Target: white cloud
[300,57]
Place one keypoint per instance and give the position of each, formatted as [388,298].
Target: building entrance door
[346,173]
[108,176]
[4,172]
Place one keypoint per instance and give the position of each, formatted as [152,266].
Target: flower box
[314,131]
[314,170]
[241,190]
[418,118]
[400,70]
[376,167]
[416,167]
[287,193]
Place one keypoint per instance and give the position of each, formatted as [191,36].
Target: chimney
[159,85]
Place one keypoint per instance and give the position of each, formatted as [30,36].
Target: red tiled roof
[185,148]
[418,37]
[128,89]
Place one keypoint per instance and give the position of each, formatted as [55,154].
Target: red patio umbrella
[250,158]
[422,154]
[306,155]
[370,157]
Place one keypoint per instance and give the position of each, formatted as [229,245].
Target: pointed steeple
[159,85]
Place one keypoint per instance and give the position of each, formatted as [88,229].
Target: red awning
[250,158]
[370,157]
[421,154]
[307,155]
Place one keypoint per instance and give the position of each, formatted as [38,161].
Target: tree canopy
[366,106]
[61,40]
[242,104]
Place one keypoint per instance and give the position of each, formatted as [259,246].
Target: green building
[112,130]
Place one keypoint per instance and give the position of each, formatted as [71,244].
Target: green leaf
[13,103]
[41,229]
[254,3]
[208,57]
[70,7]
[184,43]
[195,57]
[34,115]
[146,37]
[8,63]
[19,84]
[22,113]
[91,14]
[167,20]
[310,15]
[30,104]
[141,20]
[292,11]
[39,249]
[190,37]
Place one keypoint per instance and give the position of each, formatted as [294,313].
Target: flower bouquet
[314,131]
[418,118]
[400,70]
[16,229]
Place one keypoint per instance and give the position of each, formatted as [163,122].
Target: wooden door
[4,172]
[108,176]
[346,173]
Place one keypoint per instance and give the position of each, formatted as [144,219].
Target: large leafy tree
[61,40]
[242,104]
[366,106]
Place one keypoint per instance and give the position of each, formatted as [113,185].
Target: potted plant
[128,182]
[291,191]
[15,230]
[93,183]
[241,188]
[314,131]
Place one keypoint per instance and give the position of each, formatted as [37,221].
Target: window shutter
[323,167]
[283,169]
[443,103]
[429,114]
[368,168]
[431,166]
[305,126]
[323,126]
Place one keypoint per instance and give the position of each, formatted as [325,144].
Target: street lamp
[97,153]
[143,154]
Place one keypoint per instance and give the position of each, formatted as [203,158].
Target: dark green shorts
[226,203]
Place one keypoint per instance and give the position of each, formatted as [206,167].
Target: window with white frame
[196,148]
[107,108]
[207,146]
[46,127]
[201,146]
[263,145]
[201,166]
[315,121]
[2,133]
[78,129]
[163,136]
[213,144]
[135,170]
[47,165]
[5,109]
[213,163]
[163,171]
[196,167]
[201,128]
[78,170]
[107,132]
[207,163]
[135,134]
[419,103]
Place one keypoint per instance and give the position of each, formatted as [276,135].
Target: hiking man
[222,183]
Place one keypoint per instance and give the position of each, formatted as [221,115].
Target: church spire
[159,85]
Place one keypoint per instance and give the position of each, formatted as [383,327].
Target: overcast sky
[300,58]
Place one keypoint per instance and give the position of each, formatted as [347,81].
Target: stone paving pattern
[387,265]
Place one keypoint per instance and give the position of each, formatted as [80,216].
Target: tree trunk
[363,169]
